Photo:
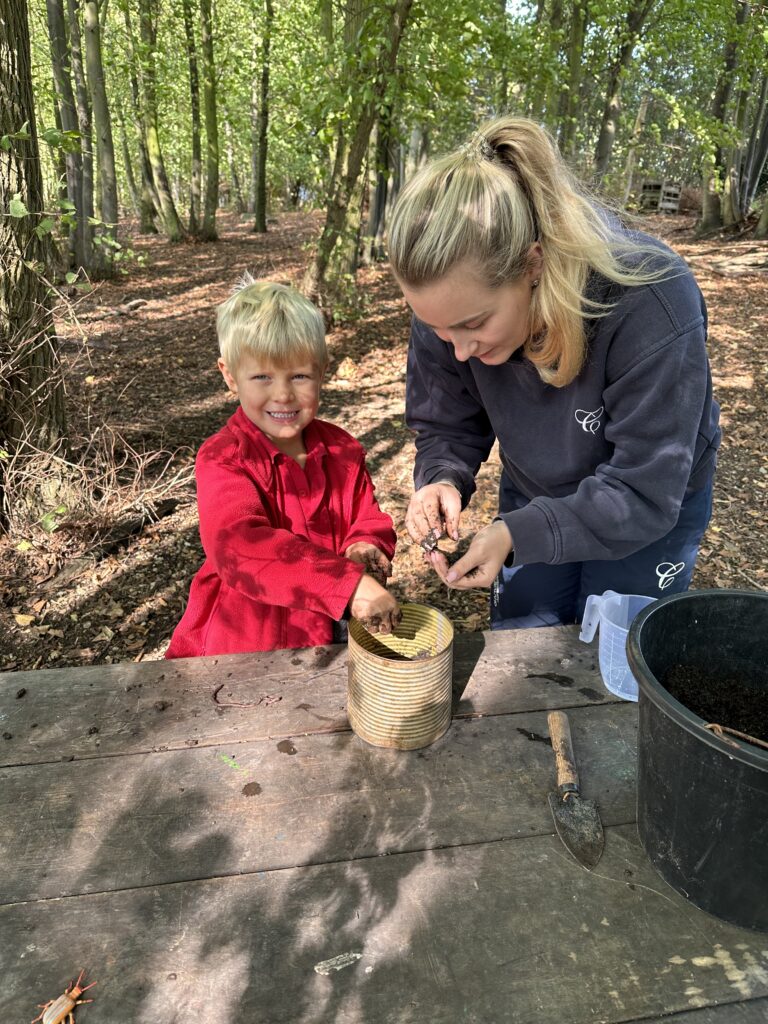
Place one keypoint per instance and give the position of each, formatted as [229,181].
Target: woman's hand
[436,507]
[480,566]
[376,562]
[375,607]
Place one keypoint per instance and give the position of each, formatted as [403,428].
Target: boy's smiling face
[280,401]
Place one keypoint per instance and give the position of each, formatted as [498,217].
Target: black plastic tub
[702,799]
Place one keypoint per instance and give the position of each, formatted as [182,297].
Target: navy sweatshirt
[606,461]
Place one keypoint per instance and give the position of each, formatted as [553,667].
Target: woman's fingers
[467,572]
[480,566]
[439,563]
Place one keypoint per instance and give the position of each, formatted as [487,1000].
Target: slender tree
[628,35]
[208,229]
[149,200]
[166,208]
[195,190]
[102,127]
[32,415]
[569,95]
[67,114]
[377,70]
[714,161]
[262,125]
[92,261]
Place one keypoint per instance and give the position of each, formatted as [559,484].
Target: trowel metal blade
[578,824]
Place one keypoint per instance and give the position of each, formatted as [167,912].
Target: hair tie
[479,148]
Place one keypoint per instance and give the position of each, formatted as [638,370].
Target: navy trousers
[527,596]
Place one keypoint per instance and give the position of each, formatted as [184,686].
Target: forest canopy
[265,105]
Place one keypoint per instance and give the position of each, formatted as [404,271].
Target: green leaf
[23,545]
[70,277]
[16,207]
[52,136]
[44,227]
[50,521]
[5,143]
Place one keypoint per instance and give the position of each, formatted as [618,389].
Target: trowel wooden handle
[560,734]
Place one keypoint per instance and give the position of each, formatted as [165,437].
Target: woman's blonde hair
[272,321]
[487,204]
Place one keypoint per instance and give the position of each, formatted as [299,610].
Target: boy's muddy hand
[376,562]
[375,607]
[434,510]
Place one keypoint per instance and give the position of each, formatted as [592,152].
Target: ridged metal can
[399,688]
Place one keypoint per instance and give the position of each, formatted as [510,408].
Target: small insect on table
[209,841]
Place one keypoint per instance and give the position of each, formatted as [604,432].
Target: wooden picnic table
[262,864]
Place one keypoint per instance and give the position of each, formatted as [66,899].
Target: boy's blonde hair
[487,204]
[271,321]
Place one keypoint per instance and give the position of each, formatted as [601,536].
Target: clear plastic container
[613,613]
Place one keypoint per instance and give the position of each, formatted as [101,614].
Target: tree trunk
[569,97]
[711,207]
[68,116]
[102,125]
[130,177]
[32,417]
[60,160]
[195,186]
[382,162]
[340,192]
[237,192]
[262,133]
[761,231]
[82,102]
[208,230]
[757,151]
[149,203]
[166,209]
[636,18]
[552,87]
[637,132]
[418,150]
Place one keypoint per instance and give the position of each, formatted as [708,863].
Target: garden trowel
[577,820]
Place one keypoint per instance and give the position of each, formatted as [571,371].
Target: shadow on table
[468,648]
[309,944]
[316,944]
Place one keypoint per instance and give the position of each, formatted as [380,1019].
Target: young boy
[292,532]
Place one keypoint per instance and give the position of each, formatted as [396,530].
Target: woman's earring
[534,284]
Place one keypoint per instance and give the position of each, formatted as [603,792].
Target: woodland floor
[79,596]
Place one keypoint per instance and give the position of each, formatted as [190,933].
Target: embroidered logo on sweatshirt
[589,421]
[666,571]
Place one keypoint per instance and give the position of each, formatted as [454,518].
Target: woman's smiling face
[487,324]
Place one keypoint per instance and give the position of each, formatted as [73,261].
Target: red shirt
[274,536]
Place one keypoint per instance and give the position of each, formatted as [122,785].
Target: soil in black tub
[734,703]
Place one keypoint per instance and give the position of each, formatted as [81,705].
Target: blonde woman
[539,320]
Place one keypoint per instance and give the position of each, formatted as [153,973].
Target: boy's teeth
[282,415]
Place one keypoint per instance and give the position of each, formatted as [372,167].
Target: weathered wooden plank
[146,819]
[131,708]
[509,932]
[753,1012]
